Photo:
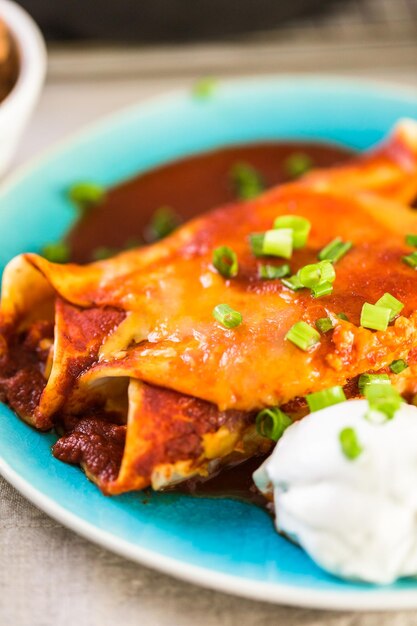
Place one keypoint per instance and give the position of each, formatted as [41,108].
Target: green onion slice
[269,272]
[342,316]
[335,250]
[398,366]
[322,289]
[384,399]
[410,259]
[375,317]
[372,379]
[57,252]
[163,222]
[225,261]
[292,283]
[303,336]
[297,164]
[256,241]
[324,324]
[278,243]
[411,240]
[389,302]
[350,444]
[300,227]
[227,316]
[86,195]
[247,181]
[326,397]
[103,252]
[132,242]
[316,273]
[204,88]
[271,423]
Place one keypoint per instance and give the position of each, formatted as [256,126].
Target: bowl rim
[32,59]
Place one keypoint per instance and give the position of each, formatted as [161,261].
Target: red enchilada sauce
[192,186]
[189,186]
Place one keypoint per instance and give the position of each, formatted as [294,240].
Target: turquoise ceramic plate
[221,544]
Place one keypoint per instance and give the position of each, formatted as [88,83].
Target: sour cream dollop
[357,518]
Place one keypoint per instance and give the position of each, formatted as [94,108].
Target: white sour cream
[355,518]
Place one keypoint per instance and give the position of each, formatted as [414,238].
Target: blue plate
[223,544]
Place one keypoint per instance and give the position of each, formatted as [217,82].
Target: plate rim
[15,176]
[274,593]
[376,599]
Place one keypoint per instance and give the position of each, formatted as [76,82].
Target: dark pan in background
[145,21]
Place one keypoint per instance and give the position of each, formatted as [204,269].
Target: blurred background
[196,20]
[105,54]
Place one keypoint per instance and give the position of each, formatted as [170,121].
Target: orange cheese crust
[135,337]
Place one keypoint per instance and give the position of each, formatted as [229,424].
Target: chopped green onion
[328,274]
[271,423]
[86,195]
[227,316]
[389,302]
[297,164]
[342,316]
[163,222]
[269,272]
[293,283]
[411,259]
[324,324]
[300,227]
[335,250]
[247,181]
[204,88]
[384,399]
[103,252]
[278,243]
[58,252]
[411,240]
[318,277]
[322,289]
[256,241]
[316,273]
[375,417]
[375,317]
[398,366]
[350,444]
[372,379]
[327,397]
[303,336]
[225,261]
[132,242]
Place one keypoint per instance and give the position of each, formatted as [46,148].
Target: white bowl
[16,109]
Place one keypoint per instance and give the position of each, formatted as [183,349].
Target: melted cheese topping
[145,317]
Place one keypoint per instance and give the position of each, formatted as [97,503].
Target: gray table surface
[50,576]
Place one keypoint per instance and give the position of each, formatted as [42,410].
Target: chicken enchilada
[154,365]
